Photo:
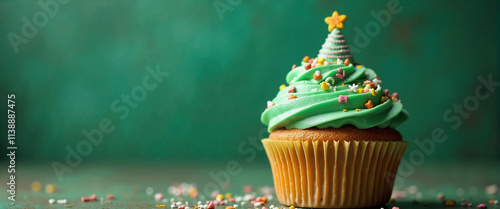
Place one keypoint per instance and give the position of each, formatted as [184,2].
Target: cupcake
[333,142]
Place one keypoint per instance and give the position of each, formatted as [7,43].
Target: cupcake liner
[334,174]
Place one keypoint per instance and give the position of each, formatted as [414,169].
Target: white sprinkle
[199,202]
[63,201]
[179,203]
[52,201]
[334,88]
[313,90]
[172,206]
[257,204]
[164,200]
[235,205]
[149,190]
[353,87]
[338,62]
[186,207]
[187,203]
[172,200]
[317,73]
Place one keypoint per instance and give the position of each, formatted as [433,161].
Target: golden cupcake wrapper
[334,174]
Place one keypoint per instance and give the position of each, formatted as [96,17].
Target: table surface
[128,183]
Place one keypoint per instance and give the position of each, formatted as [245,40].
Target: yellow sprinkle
[50,188]
[382,99]
[281,87]
[357,109]
[292,207]
[345,110]
[374,93]
[360,66]
[35,186]
[219,197]
[392,200]
[324,85]
[360,90]
[450,203]
[342,84]
[321,60]
[368,86]
[228,195]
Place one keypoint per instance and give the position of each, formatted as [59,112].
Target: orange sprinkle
[264,199]
[292,97]
[369,104]
[345,110]
[317,77]
[346,62]
[342,84]
[357,109]
[306,59]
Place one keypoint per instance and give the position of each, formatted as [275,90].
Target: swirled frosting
[330,91]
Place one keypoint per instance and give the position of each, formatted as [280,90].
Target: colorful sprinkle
[360,66]
[338,62]
[346,62]
[158,196]
[343,98]
[317,75]
[353,87]
[345,110]
[386,92]
[330,81]
[269,104]
[292,207]
[482,206]
[50,188]
[321,60]
[308,66]
[282,86]
[395,95]
[92,197]
[324,85]
[382,99]
[450,203]
[52,201]
[294,66]
[376,81]
[305,59]
[292,97]
[36,186]
[110,197]
[220,197]
[395,207]
[357,109]
[360,90]
[374,93]
[291,89]
[369,104]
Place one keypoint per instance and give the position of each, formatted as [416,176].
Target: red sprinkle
[110,197]
[386,91]
[294,66]
[481,206]
[231,200]
[211,206]
[291,90]
[92,197]
[308,66]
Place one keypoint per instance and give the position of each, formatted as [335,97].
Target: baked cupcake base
[334,173]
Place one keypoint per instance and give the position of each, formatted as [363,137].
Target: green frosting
[315,107]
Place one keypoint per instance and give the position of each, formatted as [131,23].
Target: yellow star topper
[335,21]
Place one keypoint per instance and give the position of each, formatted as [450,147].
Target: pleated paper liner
[334,174]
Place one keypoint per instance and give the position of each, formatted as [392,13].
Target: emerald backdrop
[219,62]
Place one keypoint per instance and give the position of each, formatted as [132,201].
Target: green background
[223,68]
